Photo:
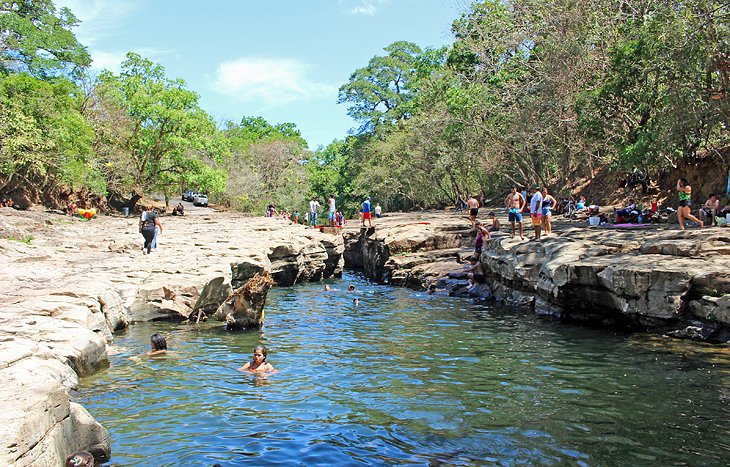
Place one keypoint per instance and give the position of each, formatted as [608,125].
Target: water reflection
[408,378]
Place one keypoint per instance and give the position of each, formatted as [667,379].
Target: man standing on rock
[313,208]
[366,214]
[515,202]
[536,211]
[473,205]
[333,210]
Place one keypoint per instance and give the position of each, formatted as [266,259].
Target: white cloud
[112,61]
[107,60]
[365,9]
[274,81]
[362,7]
[99,18]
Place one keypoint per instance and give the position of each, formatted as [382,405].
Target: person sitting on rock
[259,363]
[79,459]
[179,210]
[474,271]
[710,209]
[158,345]
[495,222]
[625,214]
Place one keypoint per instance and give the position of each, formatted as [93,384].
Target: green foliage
[265,165]
[378,91]
[38,39]
[43,135]
[168,135]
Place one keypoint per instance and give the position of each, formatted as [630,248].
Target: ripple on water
[408,379]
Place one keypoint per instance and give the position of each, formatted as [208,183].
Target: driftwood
[244,308]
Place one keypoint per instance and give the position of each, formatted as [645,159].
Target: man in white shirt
[536,211]
[313,207]
[333,209]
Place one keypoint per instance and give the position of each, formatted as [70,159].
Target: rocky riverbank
[68,285]
[655,279]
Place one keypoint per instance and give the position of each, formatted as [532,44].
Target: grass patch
[25,240]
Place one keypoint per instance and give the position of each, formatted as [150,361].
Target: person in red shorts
[367,213]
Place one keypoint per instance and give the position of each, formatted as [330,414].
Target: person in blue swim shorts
[515,202]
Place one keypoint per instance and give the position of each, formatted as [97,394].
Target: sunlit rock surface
[657,279]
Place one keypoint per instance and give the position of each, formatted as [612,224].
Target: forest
[547,92]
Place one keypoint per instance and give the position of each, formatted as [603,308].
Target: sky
[283,60]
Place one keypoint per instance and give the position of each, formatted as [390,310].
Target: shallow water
[410,379]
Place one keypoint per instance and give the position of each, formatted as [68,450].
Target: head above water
[79,459]
[261,350]
[158,342]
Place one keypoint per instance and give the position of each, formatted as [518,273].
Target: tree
[43,136]
[378,91]
[265,164]
[169,138]
[34,37]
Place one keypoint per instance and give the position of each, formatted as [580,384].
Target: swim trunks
[536,219]
[515,215]
[474,211]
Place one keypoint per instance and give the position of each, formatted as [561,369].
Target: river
[406,378]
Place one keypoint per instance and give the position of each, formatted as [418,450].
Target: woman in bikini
[684,193]
[259,363]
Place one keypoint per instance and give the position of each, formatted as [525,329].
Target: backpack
[148,221]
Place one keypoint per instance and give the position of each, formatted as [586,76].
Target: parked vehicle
[189,195]
[200,200]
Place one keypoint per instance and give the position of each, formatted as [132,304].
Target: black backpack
[149,222]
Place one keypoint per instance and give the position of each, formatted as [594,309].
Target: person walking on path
[378,211]
[473,205]
[548,203]
[332,211]
[148,222]
[366,214]
[515,203]
[684,193]
[536,211]
[313,208]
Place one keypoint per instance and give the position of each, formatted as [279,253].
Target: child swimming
[259,363]
[158,345]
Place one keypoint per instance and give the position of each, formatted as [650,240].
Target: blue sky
[283,60]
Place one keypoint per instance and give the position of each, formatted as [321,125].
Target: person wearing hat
[536,210]
[366,214]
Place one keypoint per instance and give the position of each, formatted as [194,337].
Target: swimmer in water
[327,288]
[158,345]
[259,363]
[350,288]
[356,301]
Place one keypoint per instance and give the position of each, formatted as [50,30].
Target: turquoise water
[410,379]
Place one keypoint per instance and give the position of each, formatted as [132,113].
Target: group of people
[541,205]
[7,203]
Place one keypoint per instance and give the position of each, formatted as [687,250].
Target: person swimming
[158,345]
[79,459]
[327,288]
[350,288]
[259,363]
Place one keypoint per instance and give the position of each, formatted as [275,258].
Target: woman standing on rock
[148,222]
[684,193]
